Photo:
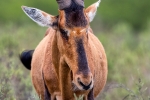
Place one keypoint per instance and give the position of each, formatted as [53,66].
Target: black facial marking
[75,15]
[64,33]
[84,86]
[82,60]
[55,23]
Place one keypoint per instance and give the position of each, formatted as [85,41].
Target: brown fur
[46,57]
[57,59]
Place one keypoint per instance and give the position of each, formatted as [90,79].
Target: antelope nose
[85,87]
[86,82]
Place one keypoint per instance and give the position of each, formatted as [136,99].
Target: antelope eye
[64,33]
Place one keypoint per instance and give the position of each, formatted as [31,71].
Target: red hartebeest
[70,58]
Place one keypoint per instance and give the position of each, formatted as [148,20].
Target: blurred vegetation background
[123,27]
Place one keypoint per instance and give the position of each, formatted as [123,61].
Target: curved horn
[80,2]
[62,4]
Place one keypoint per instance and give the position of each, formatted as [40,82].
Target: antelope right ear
[40,17]
[91,10]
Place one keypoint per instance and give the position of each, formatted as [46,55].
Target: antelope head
[72,27]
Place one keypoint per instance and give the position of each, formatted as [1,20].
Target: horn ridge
[79,2]
[62,4]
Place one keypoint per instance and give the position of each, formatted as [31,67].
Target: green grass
[127,52]
[128,60]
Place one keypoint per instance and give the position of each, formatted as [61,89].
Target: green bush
[127,52]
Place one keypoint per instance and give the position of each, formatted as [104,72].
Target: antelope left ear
[91,10]
[40,17]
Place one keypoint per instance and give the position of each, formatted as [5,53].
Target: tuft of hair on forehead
[74,15]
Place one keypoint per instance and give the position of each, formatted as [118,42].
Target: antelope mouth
[78,84]
[81,86]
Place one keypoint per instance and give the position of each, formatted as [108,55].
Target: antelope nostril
[85,87]
[78,79]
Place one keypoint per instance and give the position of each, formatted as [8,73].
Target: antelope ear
[91,10]
[40,17]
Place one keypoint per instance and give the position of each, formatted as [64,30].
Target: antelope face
[73,40]
[72,28]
